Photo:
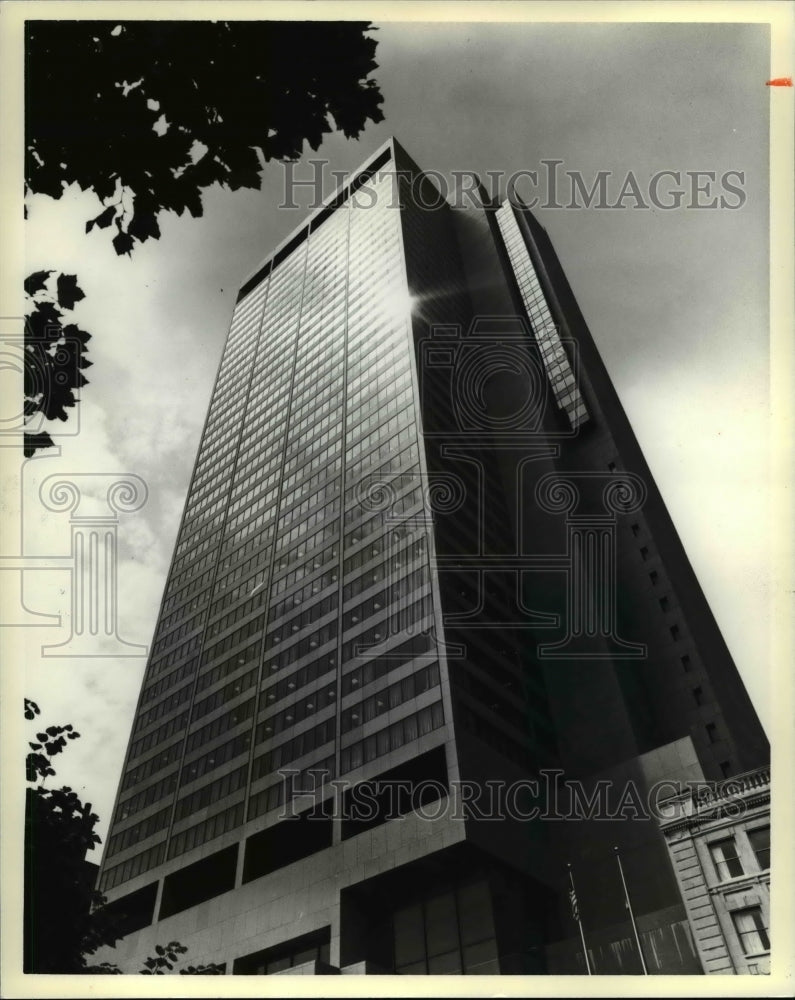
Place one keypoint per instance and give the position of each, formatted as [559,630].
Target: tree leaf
[122,243]
[36,281]
[68,291]
[103,220]
[143,225]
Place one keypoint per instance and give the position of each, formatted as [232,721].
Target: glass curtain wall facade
[290,574]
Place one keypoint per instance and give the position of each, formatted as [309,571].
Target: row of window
[224,694]
[128,869]
[303,709]
[326,491]
[248,654]
[306,379]
[727,861]
[201,833]
[140,831]
[217,757]
[326,476]
[222,585]
[411,558]
[365,673]
[390,473]
[233,538]
[213,442]
[398,551]
[382,384]
[313,643]
[409,619]
[173,656]
[265,438]
[392,737]
[380,333]
[251,468]
[166,641]
[384,521]
[288,686]
[222,724]
[211,650]
[315,562]
[196,548]
[242,497]
[320,516]
[450,933]
[390,499]
[247,588]
[540,318]
[267,405]
[363,373]
[396,694]
[404,437]
[260,500]
[311,777]
[387,599]
[191,529]
[304,463]
[213,792]
[300,455]
[237,614]
[259,543]
[146,797]
[327,394]
[178,616]
[313,425]
[199,500]
[378,329]
[302,595]
[302,618]
[151,766]
[158,735]
[160,709]
[286,753]
[183,595]
[216,474]
[176,580]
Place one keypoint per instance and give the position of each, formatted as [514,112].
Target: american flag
[575,906]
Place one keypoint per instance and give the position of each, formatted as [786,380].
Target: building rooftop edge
[389,145]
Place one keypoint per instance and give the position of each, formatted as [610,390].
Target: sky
[677,302]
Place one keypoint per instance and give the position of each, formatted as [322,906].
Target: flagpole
[631,914]
[575,910]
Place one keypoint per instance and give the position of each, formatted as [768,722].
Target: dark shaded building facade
[422,567]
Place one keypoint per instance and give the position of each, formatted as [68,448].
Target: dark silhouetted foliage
[61,924]
[55,352]
[64,916]
[149,113]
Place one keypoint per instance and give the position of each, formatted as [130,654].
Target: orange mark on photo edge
[780,81]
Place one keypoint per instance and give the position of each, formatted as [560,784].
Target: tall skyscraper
[422,567]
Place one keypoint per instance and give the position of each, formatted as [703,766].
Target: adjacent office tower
[422,564]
